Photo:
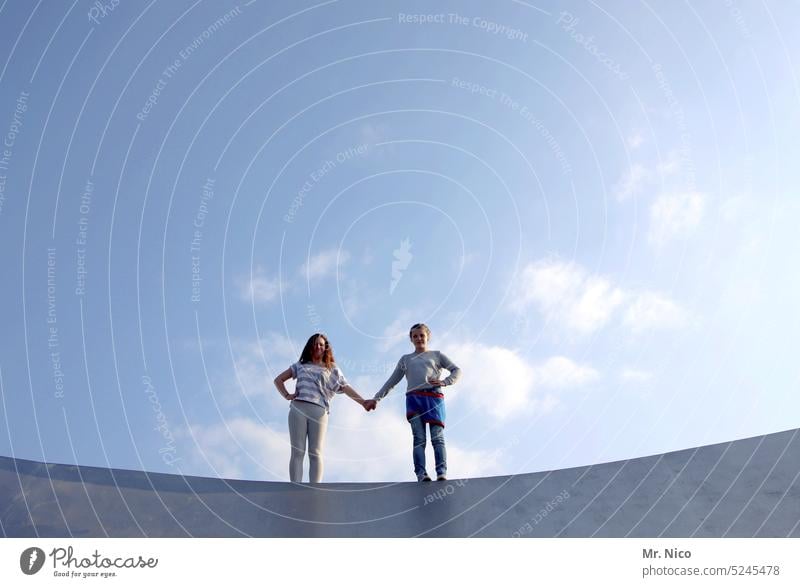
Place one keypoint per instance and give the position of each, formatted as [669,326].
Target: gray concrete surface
[742,488]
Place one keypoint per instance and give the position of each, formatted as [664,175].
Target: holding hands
[371,404]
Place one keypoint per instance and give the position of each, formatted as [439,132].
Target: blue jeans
[437,440]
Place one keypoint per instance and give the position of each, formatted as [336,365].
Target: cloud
[324,264]
[473,463]
[652,310]
[567,294]
[501,384]
[504,385]
[562,373]
[241,448]
[631,183]
[368,447]
[674,216]
[581,304]
[258,288]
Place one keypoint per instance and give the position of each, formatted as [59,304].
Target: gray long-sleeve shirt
[418,368]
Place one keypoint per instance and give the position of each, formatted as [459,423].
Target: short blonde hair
[420,326]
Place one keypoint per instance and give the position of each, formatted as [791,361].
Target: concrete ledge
[743,488]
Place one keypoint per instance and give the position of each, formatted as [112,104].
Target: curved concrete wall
[742,488]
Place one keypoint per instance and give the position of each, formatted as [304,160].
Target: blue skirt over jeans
[427,407]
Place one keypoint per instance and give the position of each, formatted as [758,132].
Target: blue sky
[594,209]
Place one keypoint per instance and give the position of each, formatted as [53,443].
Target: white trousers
[307,421]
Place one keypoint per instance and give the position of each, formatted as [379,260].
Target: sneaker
[425,478]
[441,478]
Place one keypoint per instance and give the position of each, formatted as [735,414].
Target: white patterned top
[316,384]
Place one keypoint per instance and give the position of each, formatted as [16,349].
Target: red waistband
[426,393]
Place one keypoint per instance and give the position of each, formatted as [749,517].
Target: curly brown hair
[308,351]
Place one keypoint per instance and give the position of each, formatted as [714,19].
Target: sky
[593,206]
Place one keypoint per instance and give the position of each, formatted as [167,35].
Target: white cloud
[473,463]
[240,448]
[565,293]
[593,308]
[373,446]
[581,304]
[652,310]
[561,373]
[504,385]
[324,264]
[501,384]
[546,282]
[631,182]
[675,216]
[258,288]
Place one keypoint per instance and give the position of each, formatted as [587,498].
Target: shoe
[441,478]
[425,478]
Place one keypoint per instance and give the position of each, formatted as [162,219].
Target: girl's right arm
[393,380]
[280,380]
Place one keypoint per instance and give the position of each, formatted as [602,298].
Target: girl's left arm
[353,394]
[455,371]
